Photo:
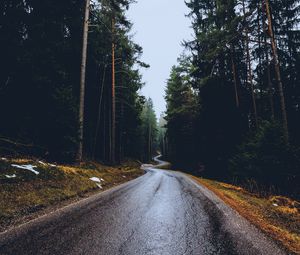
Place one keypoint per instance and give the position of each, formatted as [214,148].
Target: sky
[159,27]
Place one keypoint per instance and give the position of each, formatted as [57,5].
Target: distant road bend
[162,212]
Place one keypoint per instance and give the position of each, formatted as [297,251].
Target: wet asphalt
[162,212]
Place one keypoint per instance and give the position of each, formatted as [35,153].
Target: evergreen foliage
[238,126]
[40,51]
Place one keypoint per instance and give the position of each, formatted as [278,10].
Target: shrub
[267,159]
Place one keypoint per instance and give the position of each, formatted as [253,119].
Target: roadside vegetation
[277,216]
[24,192]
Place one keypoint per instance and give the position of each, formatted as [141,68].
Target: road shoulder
[279,221]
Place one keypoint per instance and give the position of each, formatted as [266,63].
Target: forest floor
[277,216]
[29,188]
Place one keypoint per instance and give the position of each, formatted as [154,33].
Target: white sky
[159,27]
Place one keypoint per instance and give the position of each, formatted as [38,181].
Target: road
[162,212]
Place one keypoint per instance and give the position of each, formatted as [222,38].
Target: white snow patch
[42,163]
[124,176]
[99,186]
[95,179]
[4,159]
[276,205]
[98,181]
[27,167]
[10,176]
[52,165]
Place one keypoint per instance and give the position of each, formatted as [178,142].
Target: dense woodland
[233,100]
[41,55]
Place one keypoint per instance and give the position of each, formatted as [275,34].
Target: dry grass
[28,193]
[277,216]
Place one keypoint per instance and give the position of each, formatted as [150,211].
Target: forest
[118,138]
[41,102]
[70,84]
[233,98]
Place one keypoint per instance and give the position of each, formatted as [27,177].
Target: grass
[29,193]
[277,216]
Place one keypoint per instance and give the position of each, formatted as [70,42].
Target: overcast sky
[159,27]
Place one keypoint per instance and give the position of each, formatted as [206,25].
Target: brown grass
[29,193]
[277,216]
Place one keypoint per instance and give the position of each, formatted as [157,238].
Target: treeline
[41,52]
[233,102]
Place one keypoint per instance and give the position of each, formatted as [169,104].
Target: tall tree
[181,117]
[240,51]
[149,124]
[277,70]
[41,55]
[82,76]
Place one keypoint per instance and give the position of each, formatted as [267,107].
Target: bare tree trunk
[82,79]
[121,133]
[109,132]
[278,74]
[250,76]
[113,98]
[104,130]
[99,111]
[237,100]
[259,54]
[270,86]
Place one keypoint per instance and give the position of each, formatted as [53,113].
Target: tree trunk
[104,130]
[113,99]
[99,111]
[82,79]
[235,78]
[120,156]
[270,86]
[249,75]
[260,55]
[278,74]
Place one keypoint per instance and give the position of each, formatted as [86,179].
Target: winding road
[162,212]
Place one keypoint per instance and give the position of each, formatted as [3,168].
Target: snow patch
[276,205]
[27,167]
[4,159]
[10,176]
[52,165]
[98,181]
[95,179]
[42,163]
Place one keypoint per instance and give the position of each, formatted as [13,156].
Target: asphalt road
[162,212]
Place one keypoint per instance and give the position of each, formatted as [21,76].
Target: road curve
[162,212]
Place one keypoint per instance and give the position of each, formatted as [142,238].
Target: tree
[162,137]
[82,77]
[240,51]
[149,127]
[277,70]
[180,116]
[41,51]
